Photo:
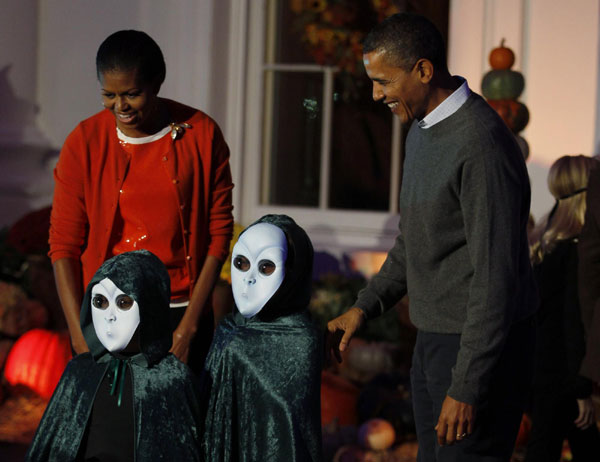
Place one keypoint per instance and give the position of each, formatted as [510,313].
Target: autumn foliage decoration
[37,360]
[333,30]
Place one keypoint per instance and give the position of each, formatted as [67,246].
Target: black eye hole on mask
[100,301]
[266,267]
[124,302]
[241,263]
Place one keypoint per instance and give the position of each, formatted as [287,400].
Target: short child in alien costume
[262,375]
[128,398]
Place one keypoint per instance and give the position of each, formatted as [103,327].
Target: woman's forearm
[67,273]
[202,290]
[185,331]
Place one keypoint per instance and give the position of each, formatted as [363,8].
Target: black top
[560,345]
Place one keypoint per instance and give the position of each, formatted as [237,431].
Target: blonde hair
[567,182]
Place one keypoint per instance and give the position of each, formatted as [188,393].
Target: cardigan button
[175,181]
[188,258]
[182,206]
[164,158]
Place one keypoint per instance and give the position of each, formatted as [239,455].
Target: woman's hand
[587,414]
[182,338]
[186,330]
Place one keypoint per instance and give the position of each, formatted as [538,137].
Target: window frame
[335,230]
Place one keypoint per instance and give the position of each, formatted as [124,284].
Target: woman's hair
[405,38]
[567,181]
[128,50]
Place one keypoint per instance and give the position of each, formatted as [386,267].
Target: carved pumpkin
[514,114]
[37,360]
[502,84]
[501,58]
[524,430]
[338,400]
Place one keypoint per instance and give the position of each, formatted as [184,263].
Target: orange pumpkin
[338,400]
[514,113]
[37,360]
[501,57]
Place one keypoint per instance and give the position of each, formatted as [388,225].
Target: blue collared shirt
[447,107]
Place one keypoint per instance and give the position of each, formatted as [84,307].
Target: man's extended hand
[340,330]
[455,421]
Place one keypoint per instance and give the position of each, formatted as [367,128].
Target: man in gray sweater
[461,255]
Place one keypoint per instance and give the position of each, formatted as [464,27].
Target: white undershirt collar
[145,139]
[447,107]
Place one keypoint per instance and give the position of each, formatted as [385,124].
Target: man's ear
[425,70]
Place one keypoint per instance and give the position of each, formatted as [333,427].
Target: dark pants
[498,415]
[552,417]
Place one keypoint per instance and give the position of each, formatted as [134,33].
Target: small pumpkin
[514,113]
[502,84]
[37,360]
[352,453]
[406,451]
[502,57]
[377,434]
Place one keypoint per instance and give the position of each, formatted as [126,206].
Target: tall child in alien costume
[127,398]
[261,383]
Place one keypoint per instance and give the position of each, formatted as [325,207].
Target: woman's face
[133,103]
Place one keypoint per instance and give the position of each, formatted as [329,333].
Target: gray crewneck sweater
[462,253]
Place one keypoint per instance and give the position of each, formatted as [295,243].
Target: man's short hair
[405,38]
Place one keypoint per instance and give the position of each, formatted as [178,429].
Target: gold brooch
[178,129]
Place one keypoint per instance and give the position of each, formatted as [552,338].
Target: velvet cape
[261,383]
[165,404]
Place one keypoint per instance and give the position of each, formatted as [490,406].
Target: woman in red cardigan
[144,173]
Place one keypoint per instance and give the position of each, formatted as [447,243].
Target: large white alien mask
[115,315]
[257,267]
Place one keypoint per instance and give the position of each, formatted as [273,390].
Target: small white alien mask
[257,267]
[115,315]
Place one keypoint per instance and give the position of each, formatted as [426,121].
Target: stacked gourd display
[502,86]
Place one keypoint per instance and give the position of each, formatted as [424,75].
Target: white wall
[557,50]
[71,31]
[18,65]
[48,79]
[50,49]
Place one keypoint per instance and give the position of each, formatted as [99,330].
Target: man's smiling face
[402,91]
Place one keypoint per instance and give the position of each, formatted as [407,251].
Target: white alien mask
[115,315]
[257,267]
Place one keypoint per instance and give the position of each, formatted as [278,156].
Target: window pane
[360,148]
[295,138]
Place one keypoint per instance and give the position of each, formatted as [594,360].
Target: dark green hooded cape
[161,393]
[261,383]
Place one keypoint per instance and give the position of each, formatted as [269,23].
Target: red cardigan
[91,169]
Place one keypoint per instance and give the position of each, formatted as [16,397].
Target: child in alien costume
[261,383]
[128,398]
